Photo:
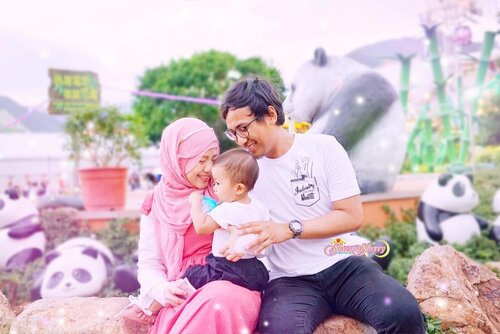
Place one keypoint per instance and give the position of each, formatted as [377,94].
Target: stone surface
[462,293]
[7,316]
[341,324]
[78,315]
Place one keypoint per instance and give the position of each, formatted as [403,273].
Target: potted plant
[108,139]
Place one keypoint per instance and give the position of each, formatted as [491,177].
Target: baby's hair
[240,165]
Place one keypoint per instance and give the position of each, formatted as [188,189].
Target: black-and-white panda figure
[125,276]
[76,268]
[22,239]
[360,108]
[495,230]
[444,211]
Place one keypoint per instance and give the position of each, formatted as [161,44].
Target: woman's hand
[174,294]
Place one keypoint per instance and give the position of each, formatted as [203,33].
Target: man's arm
[203,224]
[345,216]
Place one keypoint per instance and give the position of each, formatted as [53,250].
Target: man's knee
[290,322]
[405,317]
[278,315]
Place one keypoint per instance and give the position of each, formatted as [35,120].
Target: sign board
[73,91]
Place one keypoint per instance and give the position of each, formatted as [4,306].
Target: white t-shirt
[236,213]
[302,184]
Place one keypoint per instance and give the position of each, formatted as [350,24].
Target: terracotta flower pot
[103,188]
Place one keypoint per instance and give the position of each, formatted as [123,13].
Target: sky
[120,39]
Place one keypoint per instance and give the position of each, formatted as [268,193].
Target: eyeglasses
[241,131]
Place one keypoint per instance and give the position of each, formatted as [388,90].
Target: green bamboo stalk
[460,104]
[427,150]
[412,150]
[404,81]
[489,39]
[444,106]
[464,126]
[493,84]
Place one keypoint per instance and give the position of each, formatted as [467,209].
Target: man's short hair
[255,93]
[240,165]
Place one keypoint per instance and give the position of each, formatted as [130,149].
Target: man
[310,188]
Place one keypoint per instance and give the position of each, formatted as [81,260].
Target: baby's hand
[194,198]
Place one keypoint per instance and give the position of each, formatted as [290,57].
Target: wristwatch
[296,227]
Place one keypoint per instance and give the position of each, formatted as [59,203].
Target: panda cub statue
[22,239]
[444,211]
[76,268]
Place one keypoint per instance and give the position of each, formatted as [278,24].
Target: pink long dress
[219,307]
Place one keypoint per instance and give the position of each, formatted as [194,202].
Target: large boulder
[462,293]
[77,315]
[7,316]
[341,324]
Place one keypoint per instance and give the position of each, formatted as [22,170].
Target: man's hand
[226,249]
[268,233]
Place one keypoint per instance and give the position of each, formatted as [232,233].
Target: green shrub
[371,232]
[480,248]
[490,154]
[489,120]
[122,243]
[486,183]
[16,285]
[400,267]
[433,326]
[60,225]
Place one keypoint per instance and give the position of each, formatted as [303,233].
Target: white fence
[36,157]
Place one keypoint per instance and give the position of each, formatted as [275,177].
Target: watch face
[295,226]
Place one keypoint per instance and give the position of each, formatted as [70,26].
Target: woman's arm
[150,272]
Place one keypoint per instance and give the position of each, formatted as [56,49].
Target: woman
[168,243]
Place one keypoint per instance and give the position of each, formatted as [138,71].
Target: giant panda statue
[444,211]
[22,239]
[76,268]
[348,100]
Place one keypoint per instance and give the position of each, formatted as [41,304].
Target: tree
[208,75]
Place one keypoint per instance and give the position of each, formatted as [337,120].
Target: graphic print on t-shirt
[304,186]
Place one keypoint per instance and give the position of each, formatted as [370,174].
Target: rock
[462,293]
[78,315]
[7,316]
[341,324]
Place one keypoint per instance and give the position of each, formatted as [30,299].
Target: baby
[235,173]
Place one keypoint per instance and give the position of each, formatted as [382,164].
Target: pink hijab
[183,143]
